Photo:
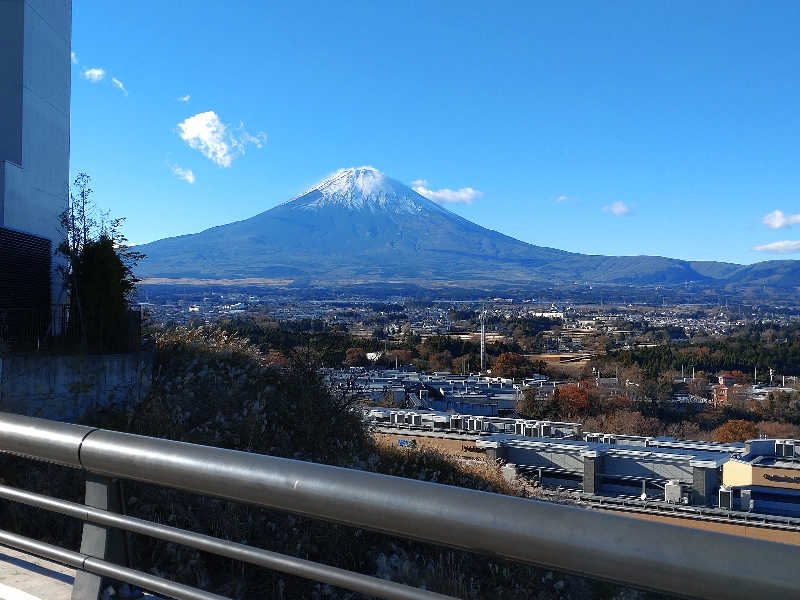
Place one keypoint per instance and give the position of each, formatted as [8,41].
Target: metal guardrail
[657,556]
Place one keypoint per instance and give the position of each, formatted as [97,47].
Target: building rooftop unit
[478,424]
[731,447]
[638,452]
[663,442]
[776,462]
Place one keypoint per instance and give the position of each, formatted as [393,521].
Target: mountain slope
[361,226]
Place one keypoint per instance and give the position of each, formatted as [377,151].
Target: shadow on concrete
[34,568]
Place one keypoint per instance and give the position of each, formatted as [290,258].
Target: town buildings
[468,394]
[731,391]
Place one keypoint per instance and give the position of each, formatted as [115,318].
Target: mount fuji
[360,226]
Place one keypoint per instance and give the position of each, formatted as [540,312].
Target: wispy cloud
[618,208]
[185,98]
[245,137]
[215,140]
[783,247]
[94,75]
[561,199]
[778,220]
[74,58]
[186,174]
[120,85]
[464,195]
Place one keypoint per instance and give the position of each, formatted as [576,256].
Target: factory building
[470,394]
[559,454]
[765,479]
[748,489]
[35,68]
[685,475]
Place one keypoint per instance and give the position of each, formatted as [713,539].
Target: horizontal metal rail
[667,558]
[104,568]
[364,584]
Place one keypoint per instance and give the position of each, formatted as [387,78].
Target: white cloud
[185,98]
[618,208]
[74,58]
[119,84]
[561,199]
[215,140]
[94,75]
[783,247]
[206,133]
[245,137]
[778,220]
[464,195]
[186,174]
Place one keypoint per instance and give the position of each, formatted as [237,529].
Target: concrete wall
[737,473]
[65,387]
[570,460]
[35,71]
[755,530]
[651,467]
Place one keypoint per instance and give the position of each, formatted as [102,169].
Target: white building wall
[34,182]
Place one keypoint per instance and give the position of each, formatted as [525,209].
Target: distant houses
[731,390]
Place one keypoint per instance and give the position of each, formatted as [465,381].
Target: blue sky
[666,128]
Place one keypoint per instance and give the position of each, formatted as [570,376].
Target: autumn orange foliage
[736,430]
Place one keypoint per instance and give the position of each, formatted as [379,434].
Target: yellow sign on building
[737,473]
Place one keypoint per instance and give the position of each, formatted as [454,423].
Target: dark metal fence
[671,559]
[31,329]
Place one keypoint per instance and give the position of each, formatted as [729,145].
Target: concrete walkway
[26,577]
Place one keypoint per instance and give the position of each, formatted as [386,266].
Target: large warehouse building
[35,70]
[750,489]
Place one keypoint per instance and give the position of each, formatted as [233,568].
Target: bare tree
[85,226]
[77,222]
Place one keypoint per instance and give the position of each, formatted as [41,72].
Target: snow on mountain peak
[363,188]
[364,180]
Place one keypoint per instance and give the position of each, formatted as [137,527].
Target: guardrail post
[101,542]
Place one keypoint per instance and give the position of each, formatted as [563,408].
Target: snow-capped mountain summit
[358,223]
[363,188]
[360,226]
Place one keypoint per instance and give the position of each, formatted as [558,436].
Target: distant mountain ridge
[360,226]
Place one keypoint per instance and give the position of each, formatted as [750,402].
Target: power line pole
[483,341]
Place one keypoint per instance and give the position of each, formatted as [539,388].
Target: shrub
[736,430]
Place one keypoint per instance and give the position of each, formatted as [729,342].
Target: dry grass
[432,464]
